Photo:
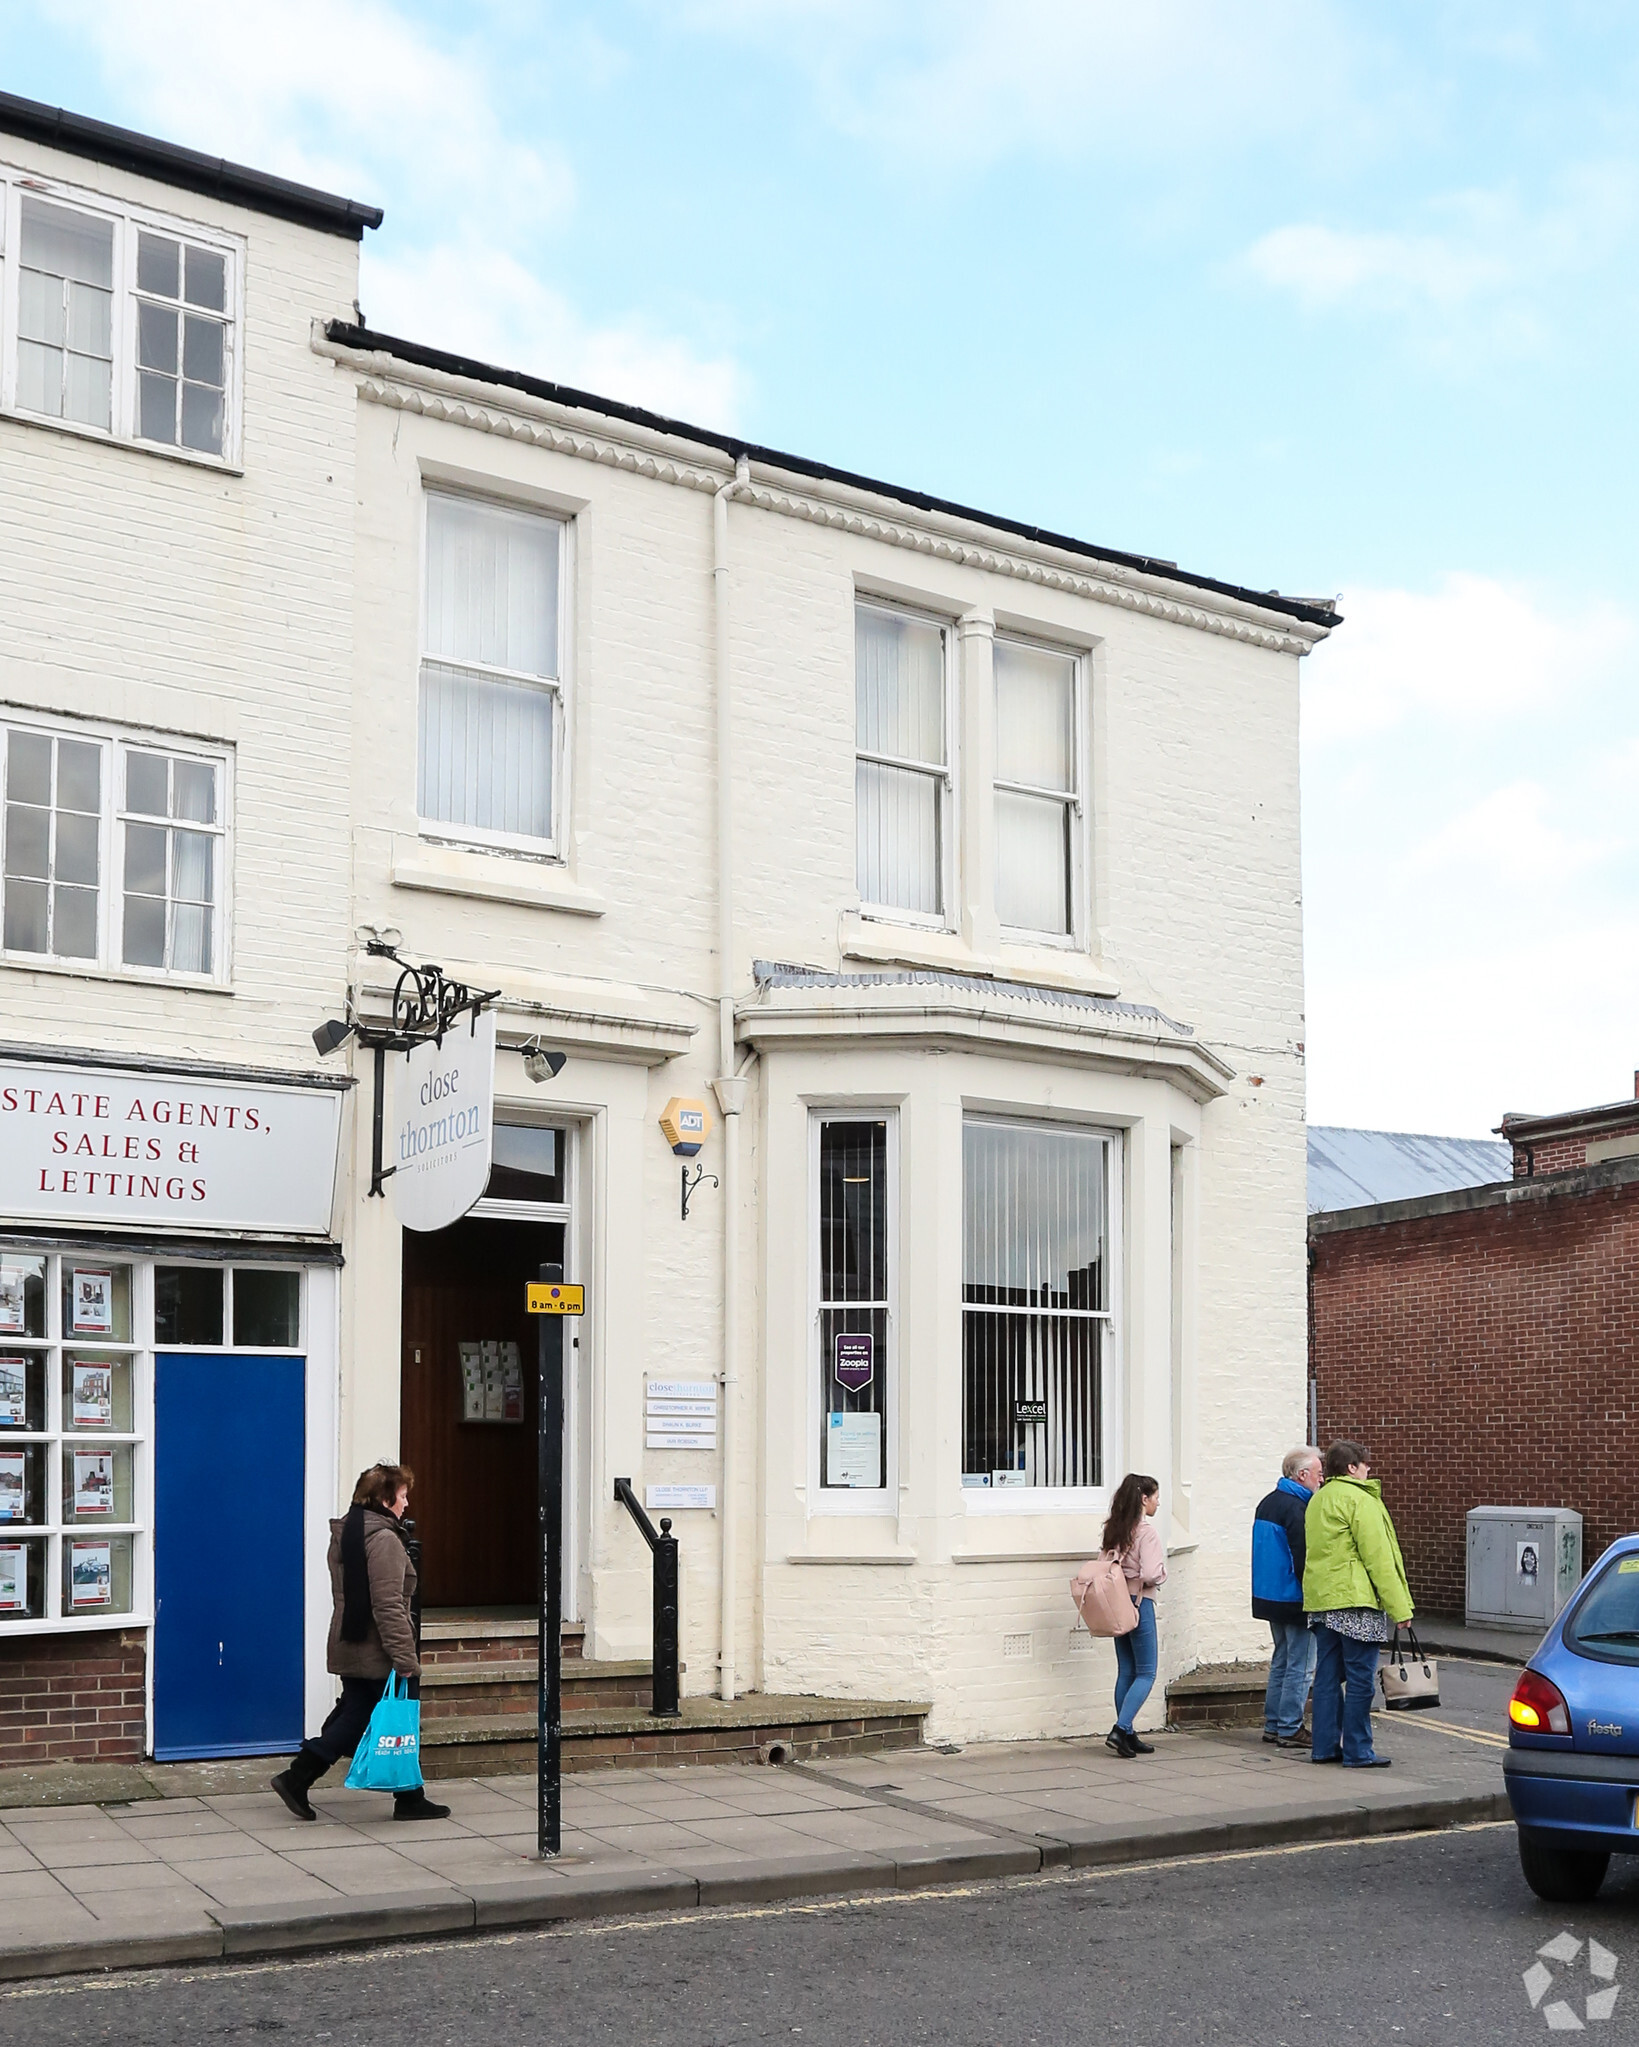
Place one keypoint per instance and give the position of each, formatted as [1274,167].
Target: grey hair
[1294,1460]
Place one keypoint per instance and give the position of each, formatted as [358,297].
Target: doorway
[469,1396]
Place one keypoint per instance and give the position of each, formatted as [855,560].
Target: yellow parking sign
[555,1298]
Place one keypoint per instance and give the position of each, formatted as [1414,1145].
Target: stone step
[495,1689]
[447,1639]
[755,1728]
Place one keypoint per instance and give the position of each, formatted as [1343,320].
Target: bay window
[1036,1304]
[491,712]
[902,763]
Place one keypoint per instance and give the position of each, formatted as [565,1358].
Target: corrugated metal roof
[775,974]
[1361,1168]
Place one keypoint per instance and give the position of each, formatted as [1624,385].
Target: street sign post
[551,1299]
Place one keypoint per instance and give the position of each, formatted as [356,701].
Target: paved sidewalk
[195,1877]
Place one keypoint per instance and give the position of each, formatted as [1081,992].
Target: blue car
[1572,1767]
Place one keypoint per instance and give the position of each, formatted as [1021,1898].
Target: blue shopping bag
[389,1756]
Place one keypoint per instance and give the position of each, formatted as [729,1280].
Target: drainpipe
[730,1090]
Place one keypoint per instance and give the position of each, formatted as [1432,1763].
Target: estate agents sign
[110,1147]
[443,1104]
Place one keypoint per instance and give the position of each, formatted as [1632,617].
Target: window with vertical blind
[854,1224]
[491,711]
[902,762]
[1037,790]
[1036,1303]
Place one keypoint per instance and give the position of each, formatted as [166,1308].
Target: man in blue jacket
[1277,1595]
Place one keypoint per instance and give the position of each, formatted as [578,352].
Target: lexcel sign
[88,1144]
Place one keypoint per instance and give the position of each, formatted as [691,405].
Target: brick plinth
[73,1698]
[1488,1357]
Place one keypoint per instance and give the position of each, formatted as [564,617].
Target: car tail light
[1538,1706]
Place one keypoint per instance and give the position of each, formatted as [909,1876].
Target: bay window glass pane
[79,776]
[26,915]
[77,848]
[207,279]
[156,339]
[1035,717]
[202,415]
[485,753]
[492,587]
[42,309]
[191,866]
[195,792]
[28,841]
[87,386]
[1033,862]
[897,815]
[146,784]
[145,859]
[28,768]
[853,1221]
[202,350]
[156,408]
[159,266]
[1034,1284]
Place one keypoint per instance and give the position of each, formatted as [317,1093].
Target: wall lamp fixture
[540,1064]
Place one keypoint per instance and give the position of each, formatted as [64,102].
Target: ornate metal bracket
[427,1004]
[689,1185]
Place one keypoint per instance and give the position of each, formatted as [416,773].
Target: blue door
[229,1457]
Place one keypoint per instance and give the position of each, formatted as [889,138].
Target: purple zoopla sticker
[856,1362]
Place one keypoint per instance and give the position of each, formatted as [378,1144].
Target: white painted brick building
[952,864]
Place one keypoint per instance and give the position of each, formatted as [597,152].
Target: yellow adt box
[685,1124]
[555,1298]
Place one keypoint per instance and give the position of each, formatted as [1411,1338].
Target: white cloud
[1472,648]
[480,301]
[1484,259]
[1509,836]
[358,97]
[971,81]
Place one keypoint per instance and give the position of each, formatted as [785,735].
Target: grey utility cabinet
[1523,1564]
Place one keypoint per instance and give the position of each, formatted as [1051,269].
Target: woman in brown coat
[372,1583]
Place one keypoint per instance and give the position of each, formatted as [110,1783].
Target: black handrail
[664,1545]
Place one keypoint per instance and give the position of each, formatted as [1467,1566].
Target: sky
[1305,295]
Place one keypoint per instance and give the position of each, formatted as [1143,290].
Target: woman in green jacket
[1355,1594]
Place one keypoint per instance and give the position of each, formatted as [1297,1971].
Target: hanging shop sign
[443,1104]
[109,1147]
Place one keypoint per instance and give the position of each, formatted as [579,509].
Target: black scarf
[356,1612]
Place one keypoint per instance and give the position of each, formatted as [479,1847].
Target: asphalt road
[1403,1940]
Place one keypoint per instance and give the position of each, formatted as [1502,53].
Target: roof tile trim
[170,164]
[774,974]
[388,348]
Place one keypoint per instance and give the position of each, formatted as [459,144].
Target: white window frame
[1074,800]
[823,1499]
[440,831]
[981,1500]
[16,183]
[114,742]
[944,777]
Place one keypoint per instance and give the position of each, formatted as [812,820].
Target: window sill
[88,970]
[492,877]
[192,458]
[894,1556]
[1050,966]
[77,1624]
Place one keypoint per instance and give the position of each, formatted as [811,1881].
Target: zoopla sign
[443,1103]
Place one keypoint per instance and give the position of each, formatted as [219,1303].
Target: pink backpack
[1099,1590]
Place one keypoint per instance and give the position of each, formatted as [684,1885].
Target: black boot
[294,1784]
[416,1805]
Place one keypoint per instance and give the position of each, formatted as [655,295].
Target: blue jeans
[1345,1674]
[1135,1666]
[1290,1668]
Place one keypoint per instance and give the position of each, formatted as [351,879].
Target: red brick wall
[1488,1358]
[73,1698]
[1557,1155]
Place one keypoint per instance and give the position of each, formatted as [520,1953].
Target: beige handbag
[1410,1680]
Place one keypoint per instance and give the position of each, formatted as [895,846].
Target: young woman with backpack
[1129,1535]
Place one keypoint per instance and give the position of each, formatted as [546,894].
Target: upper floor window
[1037,788]
[491,716]
[112,851]
[902,765]
[118,323]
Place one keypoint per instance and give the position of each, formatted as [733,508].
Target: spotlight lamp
[542,1065]
[331,1036]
